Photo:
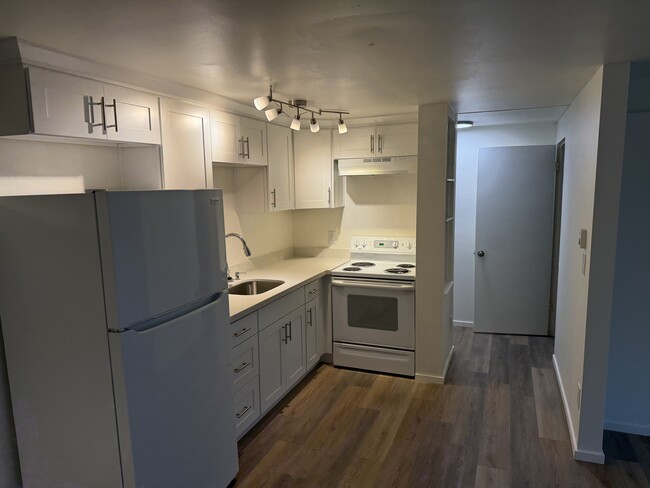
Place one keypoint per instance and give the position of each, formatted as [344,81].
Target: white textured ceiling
[368,56]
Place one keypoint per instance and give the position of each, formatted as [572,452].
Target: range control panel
[383,245]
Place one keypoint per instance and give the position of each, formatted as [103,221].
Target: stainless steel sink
[253,287]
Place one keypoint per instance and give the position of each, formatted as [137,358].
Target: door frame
[557,225]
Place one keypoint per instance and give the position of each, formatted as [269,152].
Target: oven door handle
[375,285]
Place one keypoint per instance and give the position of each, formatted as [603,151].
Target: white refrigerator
[114,313]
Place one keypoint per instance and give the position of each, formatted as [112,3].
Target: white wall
[593,128]
[266,234]
[469,141]
[374,205]
[98,164]
[628,391]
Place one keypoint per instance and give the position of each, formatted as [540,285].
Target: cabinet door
[185,145]
[132,114]
[313,169]
[357,142]
[280,168]
[253,134]
[397,140]
[271,345]
[226,138]
[62,105]
[294,364]
[312,333]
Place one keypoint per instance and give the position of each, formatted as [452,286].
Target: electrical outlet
[330,236]
[579,395]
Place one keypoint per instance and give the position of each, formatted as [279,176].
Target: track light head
[272,113]
[342,127]
[313,125]
[261,102]
[295,123]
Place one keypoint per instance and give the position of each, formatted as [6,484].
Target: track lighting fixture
[266,103]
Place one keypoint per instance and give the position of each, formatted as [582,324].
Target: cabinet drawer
[312,290]
[247,406]
[244,362]
[243,329]
[281,307]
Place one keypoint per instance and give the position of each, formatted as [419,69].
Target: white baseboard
[463,323]
[597,457]
[627,428]
[438,380]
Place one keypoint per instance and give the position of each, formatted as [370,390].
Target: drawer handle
[311,292]
[241,332]
[243,366]
[243,411]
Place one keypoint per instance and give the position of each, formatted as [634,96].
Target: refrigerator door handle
[160,320]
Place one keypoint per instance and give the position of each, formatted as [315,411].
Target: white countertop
[294,272]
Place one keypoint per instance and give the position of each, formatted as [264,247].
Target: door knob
[480,254]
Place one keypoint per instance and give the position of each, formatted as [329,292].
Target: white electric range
[373,306]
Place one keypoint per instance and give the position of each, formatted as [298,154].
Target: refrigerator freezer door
[173,390]
[160,250]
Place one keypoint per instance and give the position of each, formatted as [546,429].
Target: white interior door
[514,237]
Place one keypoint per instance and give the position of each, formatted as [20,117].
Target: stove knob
[409,245]
[395,244]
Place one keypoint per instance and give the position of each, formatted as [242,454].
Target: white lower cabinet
[282,356]
[247,407]
[267,364]
[245,372]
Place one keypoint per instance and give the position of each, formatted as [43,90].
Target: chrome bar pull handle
[310,322]
[243,366]
[290,335]
[114,105]
[241,332]
[329,197]
[380,144]
[243,411]
[241,145]
[91,114]
[273,203]
[104,126]
[372,144]
[285,338]
[248,149]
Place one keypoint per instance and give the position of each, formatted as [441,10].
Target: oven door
[373,312]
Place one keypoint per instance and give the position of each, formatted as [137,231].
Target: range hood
[398,165]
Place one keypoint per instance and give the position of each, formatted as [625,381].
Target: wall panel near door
[514,236]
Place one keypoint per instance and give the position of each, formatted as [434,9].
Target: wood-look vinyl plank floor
[497,422]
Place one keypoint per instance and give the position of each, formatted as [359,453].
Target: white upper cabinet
[73,106]
[185,145]
[237,140]
[377,141]
[253,134]
[66,105]
[131,115]
[280,170]
[357,142]
[397,140]
[226,137]
[313,169]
